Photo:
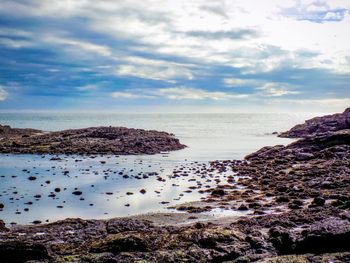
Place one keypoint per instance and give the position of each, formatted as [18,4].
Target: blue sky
[175,55]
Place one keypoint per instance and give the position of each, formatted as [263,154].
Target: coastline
[296,195]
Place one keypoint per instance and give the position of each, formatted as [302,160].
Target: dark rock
[242,207]
[319,201]
[2,226]
[318,125]
[18,252]
[122,243]
[94,140]
[218,192]
[330,235]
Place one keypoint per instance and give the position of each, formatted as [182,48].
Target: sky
[175,55]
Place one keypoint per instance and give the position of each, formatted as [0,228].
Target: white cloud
[87,46]
[3,94]
[177,93]
[130,95]
[154,69]
[319,105]
[163,29]
[277,90]
[234,82]
[11,43]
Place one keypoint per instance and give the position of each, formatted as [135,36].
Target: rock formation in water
[297,199]
[95,140]
[319,125]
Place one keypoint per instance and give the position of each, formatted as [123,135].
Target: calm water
[208,137]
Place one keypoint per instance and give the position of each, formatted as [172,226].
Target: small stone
[218,192]
[242,207]
[77,193]
[319,201]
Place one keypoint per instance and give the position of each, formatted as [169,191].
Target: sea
[111,188]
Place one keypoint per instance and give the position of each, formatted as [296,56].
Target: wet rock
[16,252]
[243,207]
[31,178]
[329,235]
[218,192]
[121,243]
[282,199]
[281,240]
[97,140]
[318,125]
[2,226]
[115,226]
[319,201]
[77,193]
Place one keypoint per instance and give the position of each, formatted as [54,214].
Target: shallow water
[208,137]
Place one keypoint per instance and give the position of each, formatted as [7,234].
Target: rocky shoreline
[94,140]
[297,199]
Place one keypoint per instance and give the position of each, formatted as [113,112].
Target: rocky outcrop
[95,140]
[318,125]
[296,198]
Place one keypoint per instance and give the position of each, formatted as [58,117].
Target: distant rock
[94,140]
[319,125]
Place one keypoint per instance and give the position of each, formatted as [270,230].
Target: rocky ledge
[297,199]
[319,125]
[94,140]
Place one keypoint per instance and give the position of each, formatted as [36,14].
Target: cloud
[154,69]
[11,43]
[318,11]
[89,87]
[177,93]
[130,95]
[87,46]
[137,48]
[236,34]
[3,94]
[235,82]
[277,90]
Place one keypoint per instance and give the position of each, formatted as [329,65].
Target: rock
[115,226]
[218,192]
[281,240]
[77,193]
[31,178]
[329,235]
[2,226]
[2,206]
[242,207]
[319,125]
[282,199]
[319,201]
[93,140]
[16,252]
[121,243]
[142,191]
